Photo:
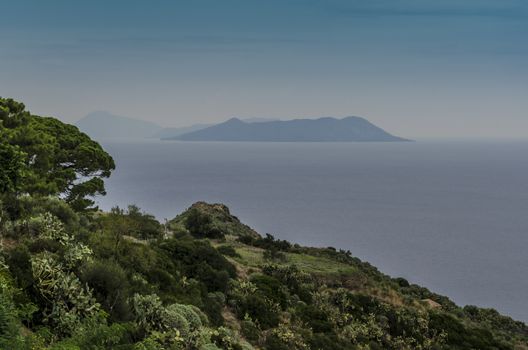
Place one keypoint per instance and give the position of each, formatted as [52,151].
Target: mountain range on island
[297,130]
[106,126]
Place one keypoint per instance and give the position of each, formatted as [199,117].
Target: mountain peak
[234,120]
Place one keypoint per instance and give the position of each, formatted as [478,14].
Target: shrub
[175,318]
[272,289]
[131,222]
[315,318]
[298,283]
[40,245]
[94,333]
[288,336]
[152,316]
[228,250]
[213,305]
[190,313]
[224,338]
[35,206]
[67,302]
[148,312]
[273,254]
[200,224]
[458,335]
[110,287]
[330,341]
[258,308]
[8,316]
[402,282]
[144,225]
[19,261]
[198,259]
[250,331]
[268,242]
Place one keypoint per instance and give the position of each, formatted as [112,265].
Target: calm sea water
[452,216]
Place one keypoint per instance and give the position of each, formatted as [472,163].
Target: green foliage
[250,330]
[417,292]
[247,300]
[65,300]
[297,282]
[288,336]
[57,157]
[272,289]
[110,287]
[225,338]
[275,255]
[493,320]
[318,320]
[94,333]
[132,222]
[228,250]
[269,243]
[116,291]
[199,260]
[460,336]
[149,312]
[200,224]
[212,306]
[173,325]
[9,323]
[11,167]
[19,261]
[38,206]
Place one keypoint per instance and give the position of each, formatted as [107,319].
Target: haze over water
[451,216]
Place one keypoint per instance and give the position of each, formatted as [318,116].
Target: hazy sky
[417,68]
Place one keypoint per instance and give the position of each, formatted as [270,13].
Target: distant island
[349,129]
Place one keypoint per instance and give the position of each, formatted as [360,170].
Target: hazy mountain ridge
[349,129]
[104,125]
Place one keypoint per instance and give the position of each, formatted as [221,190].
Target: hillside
[349,129]
[104,126]
[73,277]
[210,282]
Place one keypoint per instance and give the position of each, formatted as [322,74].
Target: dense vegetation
[73,277]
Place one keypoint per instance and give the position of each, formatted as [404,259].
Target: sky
[417,68]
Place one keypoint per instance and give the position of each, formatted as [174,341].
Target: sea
[451,215]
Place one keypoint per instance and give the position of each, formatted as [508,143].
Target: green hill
[211,218]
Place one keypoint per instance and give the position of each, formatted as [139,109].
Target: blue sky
[417,68]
